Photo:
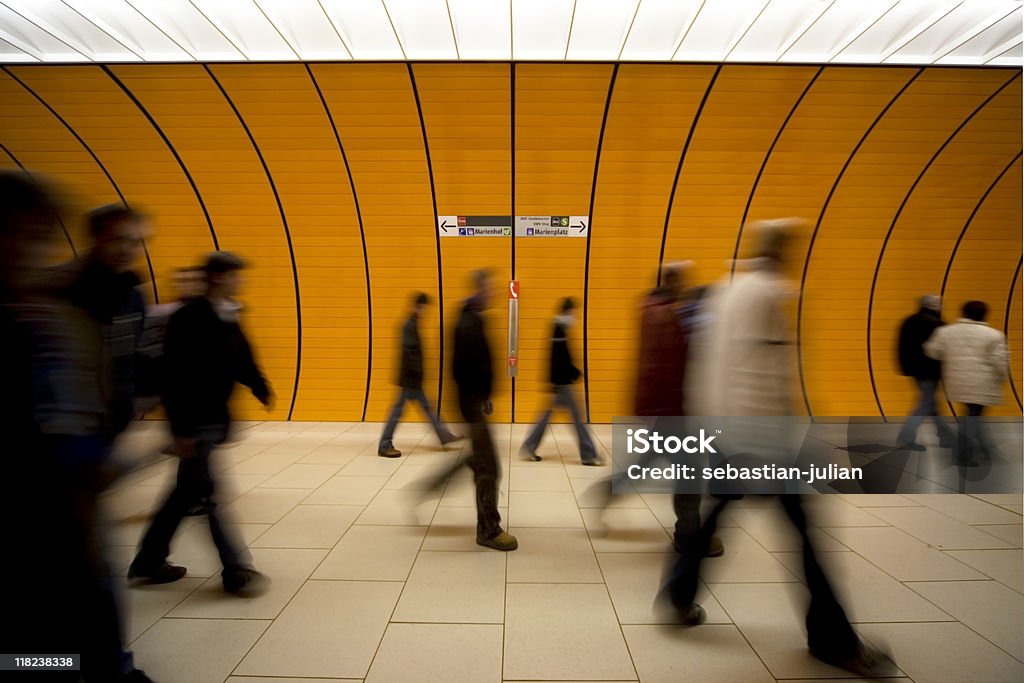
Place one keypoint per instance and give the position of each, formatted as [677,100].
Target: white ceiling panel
[540,28]
[365,27]
[599,29]
[483,28]
[424,28]
[658,28]
[306,27]
[61,21]
[954,32]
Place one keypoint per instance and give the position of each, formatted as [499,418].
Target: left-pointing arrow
[444,226]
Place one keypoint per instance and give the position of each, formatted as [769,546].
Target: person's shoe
[967,463]
[695,616]
[245,583]
[166,573]
[911,446]
[451,438]
[596,462]
[390,452]
[503,541]
[136,676]
[527,454]
[866,661]
[202,507]
[715,548]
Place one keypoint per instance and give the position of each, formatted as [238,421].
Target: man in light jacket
[974,367]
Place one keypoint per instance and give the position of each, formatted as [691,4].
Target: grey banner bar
[40,662]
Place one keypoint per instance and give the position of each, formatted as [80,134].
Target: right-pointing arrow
[582,226]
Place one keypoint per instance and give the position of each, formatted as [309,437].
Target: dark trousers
[829,634]
[405,395]
[484,463]
[194,483]
[925,408]
[970,431]
[562,397]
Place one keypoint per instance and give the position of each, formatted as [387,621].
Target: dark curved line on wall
[512,147]
[590,232]
[679,168]
[110,178]
[437,239]
[1006,329]
[362,237]
[892,227]
[817,228]
[287,234]
[963,233]
[170,147]
[60,220]
[764,164]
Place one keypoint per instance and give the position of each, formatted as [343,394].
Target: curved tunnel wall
[327,178]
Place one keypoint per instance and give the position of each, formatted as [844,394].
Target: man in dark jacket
[926,372]
[106,288]
[206,354]
[473,371]
[562,375]
[410,379]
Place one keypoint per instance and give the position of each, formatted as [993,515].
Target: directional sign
[552,226]
[474,226]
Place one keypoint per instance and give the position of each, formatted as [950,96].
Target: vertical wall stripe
[287,234]
[362,237]
[764,164]
[817,227]
[586,265]
[177,157]
[679,168]
[892,226]
[512,131]
[437,239]
[60,220]
[145,250]
[1006,330]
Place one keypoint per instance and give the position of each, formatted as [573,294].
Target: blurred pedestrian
[207,354]
[751,375]
[975,366]
[925,371]
[410,381]
[562,374]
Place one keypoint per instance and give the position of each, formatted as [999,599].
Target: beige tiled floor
[376,579]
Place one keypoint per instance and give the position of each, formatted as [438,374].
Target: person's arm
[1001,358]
[249,372]
[935,346]
[181,356]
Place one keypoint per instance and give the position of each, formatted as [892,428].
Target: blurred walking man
[410,381]
[925,371]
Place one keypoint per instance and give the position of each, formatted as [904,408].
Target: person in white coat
[974,368]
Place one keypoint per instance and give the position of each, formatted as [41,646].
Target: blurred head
[672,280]
[773,237]
[117,233]
[932,302]
[567,309]
[224,274]
[29,219]
[976,311]
[189,282]
[482,287]
[420,301]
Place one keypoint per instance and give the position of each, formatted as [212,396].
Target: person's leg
[977,431]
[484,463]
[930,408]
[829,634]
[588,453]
[444,435]
[389,428]
[909,430]
[684,577]
[532,441]
[156,544]
[965,438]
